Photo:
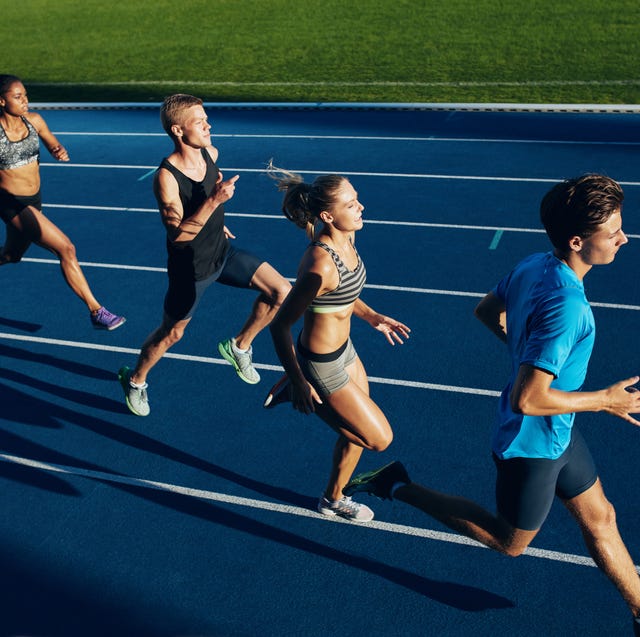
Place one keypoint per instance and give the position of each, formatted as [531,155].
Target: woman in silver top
[20,200]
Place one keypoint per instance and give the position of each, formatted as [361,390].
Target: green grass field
[516,51]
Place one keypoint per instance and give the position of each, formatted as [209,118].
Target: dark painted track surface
[199,520]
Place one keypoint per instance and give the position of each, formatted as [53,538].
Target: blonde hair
[304,202]
[173,108]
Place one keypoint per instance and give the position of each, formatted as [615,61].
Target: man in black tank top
[191,194]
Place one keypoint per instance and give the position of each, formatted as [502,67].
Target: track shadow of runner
[461,596]
[27,409]
[20,325]
[82,369]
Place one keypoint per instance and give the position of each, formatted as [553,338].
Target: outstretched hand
[393,330]
[624,399]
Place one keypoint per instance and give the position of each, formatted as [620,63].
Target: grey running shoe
[279,393]
[379,482]
[105,320]
[345,508]
[135,397]
[241,361]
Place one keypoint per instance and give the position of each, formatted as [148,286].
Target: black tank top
[204,254]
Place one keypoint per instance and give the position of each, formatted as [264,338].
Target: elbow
[521,402]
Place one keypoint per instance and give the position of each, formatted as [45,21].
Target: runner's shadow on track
[20,325]
[460,596]
[67,605]
[88,399]
[24,408]
[82,369]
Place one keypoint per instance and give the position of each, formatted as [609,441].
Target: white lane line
[219,361]
[347,173]
[382,138]
[279,217]
[371,286]
[224,498]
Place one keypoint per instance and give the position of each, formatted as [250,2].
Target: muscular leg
[34,227]
[468,518]
[360,424]
[597,519]
[156,345]
[16,244]
[273,289]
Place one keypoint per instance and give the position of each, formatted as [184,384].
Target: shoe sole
[124,383]
[230,359]
[111,328]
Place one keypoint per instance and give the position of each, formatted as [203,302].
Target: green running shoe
[241,361]
[135,397]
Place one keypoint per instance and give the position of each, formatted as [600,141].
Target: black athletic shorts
[12,205]
[182,297]
[525,487]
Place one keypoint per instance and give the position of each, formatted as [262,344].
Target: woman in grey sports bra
[20,200]
[323,372]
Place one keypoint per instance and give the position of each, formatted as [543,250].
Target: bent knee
[382,441]
[512,551]
[280,291]
[67,251]
[602,521]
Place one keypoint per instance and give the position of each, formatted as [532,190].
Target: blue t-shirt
[549,326]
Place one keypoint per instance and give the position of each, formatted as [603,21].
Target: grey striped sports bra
[349,286]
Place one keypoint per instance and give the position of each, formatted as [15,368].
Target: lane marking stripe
[280,508]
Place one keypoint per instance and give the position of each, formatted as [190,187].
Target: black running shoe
[379,482]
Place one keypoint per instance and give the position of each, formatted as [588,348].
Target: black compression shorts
[12,205]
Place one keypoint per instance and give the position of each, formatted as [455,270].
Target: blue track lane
[199,520]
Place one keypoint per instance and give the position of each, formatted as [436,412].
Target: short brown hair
[173,107]
[578,206]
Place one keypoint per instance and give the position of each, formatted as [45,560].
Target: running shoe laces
[241,361]
[105,320]
[345,508]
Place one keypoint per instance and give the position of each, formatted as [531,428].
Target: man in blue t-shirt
[540,311]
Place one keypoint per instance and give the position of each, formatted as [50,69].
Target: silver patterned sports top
[22,152]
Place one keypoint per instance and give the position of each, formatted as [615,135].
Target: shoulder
[212,152]
[36,120]
[318,261]
[164,179]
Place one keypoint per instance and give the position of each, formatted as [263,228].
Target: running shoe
[241,361]
[345,508]
[279,393]
[135,397]
[104,320]
[379,482]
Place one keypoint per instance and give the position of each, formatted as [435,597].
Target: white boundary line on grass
[420,106]
[223,498]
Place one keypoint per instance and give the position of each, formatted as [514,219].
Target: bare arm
[533,395]
[180,230]
[50,141]
[491,312]
[392,329]
[303,292]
